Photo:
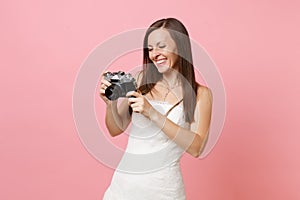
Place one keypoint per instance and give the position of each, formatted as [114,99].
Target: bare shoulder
[204,94]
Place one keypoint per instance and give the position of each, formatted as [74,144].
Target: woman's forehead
[159,35]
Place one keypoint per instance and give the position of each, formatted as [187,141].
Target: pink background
[255,45]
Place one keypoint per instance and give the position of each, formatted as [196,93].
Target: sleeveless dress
[149,168]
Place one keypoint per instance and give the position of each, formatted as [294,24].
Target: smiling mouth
[160,62]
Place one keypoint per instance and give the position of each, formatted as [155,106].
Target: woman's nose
[155,53]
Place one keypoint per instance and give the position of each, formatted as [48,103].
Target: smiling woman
[162,50]
[170,114]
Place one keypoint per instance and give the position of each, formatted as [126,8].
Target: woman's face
[162,50]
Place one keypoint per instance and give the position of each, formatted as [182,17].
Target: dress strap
[176,104]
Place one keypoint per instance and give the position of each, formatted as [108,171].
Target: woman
[170,112]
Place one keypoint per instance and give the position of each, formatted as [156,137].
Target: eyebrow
[158,43]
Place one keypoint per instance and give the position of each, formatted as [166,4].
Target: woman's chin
[162,69]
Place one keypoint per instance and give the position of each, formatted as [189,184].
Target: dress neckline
[165,102]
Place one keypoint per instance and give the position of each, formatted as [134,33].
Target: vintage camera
[121,83]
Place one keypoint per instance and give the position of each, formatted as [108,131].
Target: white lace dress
[150,166]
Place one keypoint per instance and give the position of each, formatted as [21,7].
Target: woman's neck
[170,78]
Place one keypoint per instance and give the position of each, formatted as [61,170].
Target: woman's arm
[117,118]
[193,140]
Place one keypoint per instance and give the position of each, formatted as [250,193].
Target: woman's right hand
[103,85]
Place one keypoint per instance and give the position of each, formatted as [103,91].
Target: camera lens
[113,92]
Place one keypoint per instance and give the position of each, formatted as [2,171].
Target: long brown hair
[185,64]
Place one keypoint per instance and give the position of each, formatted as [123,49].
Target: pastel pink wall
[255,45]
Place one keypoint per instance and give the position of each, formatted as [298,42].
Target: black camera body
[121,83]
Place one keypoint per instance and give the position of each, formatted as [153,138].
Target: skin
[162,51]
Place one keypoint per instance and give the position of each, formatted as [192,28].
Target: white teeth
[160,61]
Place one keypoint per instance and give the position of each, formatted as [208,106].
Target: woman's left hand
[139,103]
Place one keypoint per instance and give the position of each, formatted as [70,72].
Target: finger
[136,109]
[130,93]
[133,93]
[132,99]
[104,73]
[132,102]
[103,87]
[102,91]
[105,82]
[133,105]
[135,100]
